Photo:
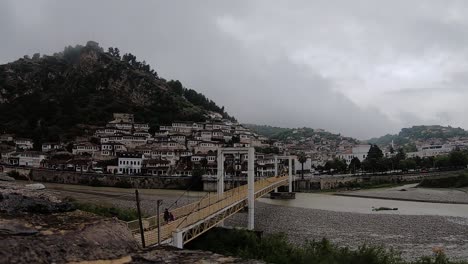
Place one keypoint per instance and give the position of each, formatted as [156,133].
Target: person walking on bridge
[167,215]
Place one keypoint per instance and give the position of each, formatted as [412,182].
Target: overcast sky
[359,68]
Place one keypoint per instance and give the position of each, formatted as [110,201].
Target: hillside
[420,133]
[267,131]
[283,134]
[58,97]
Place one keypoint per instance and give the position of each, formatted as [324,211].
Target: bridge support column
[290,174]
[178,239]
[220,186]
[251,188]
[276,170]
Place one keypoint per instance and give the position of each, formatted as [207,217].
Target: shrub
[123,184]
[95,182]
[122,214]
[17,176]
[275,249]
[447,182]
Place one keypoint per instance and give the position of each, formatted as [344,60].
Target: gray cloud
[360,68]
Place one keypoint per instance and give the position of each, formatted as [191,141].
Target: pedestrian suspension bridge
[194,219]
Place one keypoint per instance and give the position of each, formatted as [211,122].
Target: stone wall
[110,180]
[334,182]
[22,171]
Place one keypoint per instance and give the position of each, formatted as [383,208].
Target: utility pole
[142,232]
[159,203]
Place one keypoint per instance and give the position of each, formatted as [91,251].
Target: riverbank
[413,235]
[124,198]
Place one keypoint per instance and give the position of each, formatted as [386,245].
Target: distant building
[130,163]
[48,146]
[85,148]
[6,138]
[123,117]
[24,143]
[27,159]
[430,151]
[358,151]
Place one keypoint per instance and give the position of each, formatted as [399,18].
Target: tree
[442,161]
[337,165]
[374,152]
[374,158]
[197,179]
[36,56]
[407,164]
[114,52]
[302,159]
[354,165]
[204,163]
[401,155]
[176,86]
[427,162]
[457,159]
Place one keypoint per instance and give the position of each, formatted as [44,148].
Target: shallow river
[364,205]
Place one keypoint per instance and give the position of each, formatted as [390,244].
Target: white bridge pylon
[250,176]
[290,171]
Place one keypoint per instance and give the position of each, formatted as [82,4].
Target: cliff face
[48,97]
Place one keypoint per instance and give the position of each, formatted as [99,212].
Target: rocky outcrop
[58,235]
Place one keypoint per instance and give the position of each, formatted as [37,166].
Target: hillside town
[126,147]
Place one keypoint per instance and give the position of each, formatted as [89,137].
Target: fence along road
[196,218]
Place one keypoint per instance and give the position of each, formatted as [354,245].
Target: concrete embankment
[331,182]
[94,179]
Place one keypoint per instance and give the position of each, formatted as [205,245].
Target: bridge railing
[209,205]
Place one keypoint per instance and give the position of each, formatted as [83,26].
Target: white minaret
[393,147]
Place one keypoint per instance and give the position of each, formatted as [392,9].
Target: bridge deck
[202,215]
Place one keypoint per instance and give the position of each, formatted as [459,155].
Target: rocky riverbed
[413,235]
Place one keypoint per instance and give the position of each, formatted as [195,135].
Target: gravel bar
[411,193]
[412,235]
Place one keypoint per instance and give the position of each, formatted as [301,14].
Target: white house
[358,151]
[430,151]
[27,159]
[85,147]
[6,138]
[205,146]
[130,163]
[111,149]
[24,143]
[48,146]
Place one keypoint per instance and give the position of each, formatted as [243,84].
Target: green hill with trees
[409,135]
[280,133]
[57,97]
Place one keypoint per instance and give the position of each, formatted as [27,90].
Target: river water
[335,203]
